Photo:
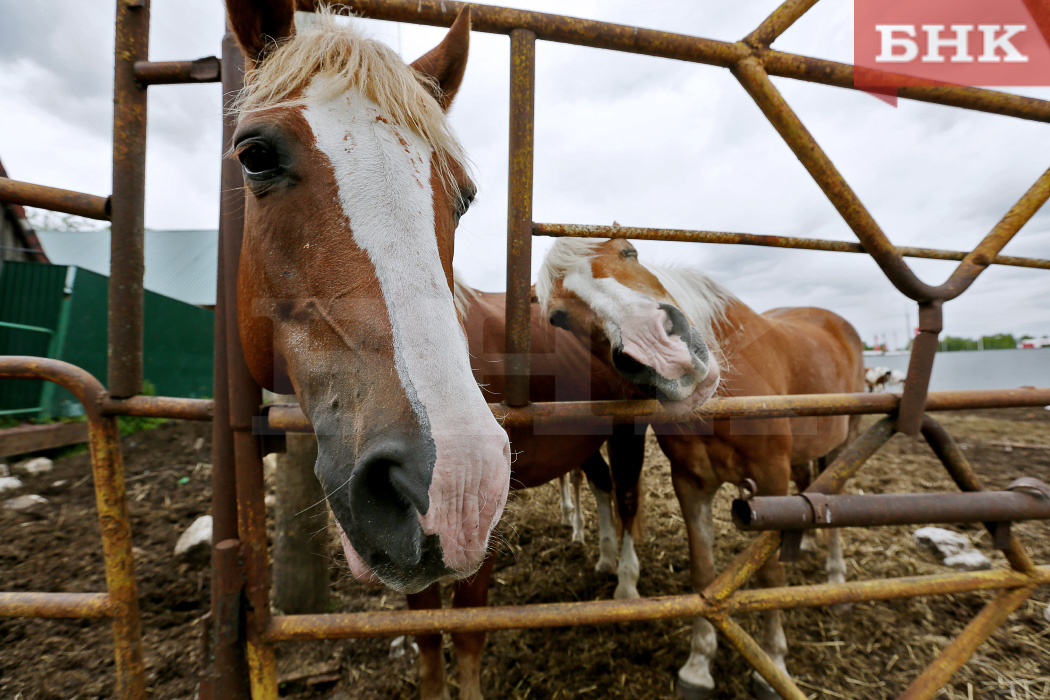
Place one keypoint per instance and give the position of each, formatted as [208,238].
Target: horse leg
[566,502]
[695,681]
[626,456]
[772,575]
[835,565]
[802,475]
[472,592]
[432,684]
[577,515]
[600,481]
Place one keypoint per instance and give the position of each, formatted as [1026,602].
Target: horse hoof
[626,593]
[684,690]
[605,567]
[578,537]
[763,691]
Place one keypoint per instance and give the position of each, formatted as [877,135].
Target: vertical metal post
[920,368]
[519,215]
[127,212]
[245,397]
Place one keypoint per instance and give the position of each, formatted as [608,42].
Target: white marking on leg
[774,643]
[607,541]
[697,670]
[566,503]
[578,524]
[628,571]
[836,563]
[383,171]
[809,542]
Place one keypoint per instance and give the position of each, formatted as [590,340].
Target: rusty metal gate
[243,630]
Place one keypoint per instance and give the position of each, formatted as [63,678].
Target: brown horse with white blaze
[670,330]
[354,185]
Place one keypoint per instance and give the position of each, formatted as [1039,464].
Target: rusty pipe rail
[68,202]
[289,417]
[284,628]
[202,70]
[107,469]
[682,47]
[754,239]
[806,511]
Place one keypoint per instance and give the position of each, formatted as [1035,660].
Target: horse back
[823,350]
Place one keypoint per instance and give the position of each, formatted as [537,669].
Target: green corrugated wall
[178,337]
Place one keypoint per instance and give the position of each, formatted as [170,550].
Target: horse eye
[259,161]
[630,253]
[466,198]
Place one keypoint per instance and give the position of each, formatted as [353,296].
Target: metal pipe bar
[978,260]
[127,210]
[107,470]
[519,216]
[778,22]
[877,510]
[226,672]
[722,237]
[745,564]
[920,368]
[245,396]
[941,669]
[946,449]
[202,70]
[390,623]
[618,37]
[56,605]
[755,80]
[758,658]
[289,417]
[159,407]
[77,203]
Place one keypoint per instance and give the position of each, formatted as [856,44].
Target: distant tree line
[999,341]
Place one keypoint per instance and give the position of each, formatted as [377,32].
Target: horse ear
[258,24]
[533,299]
[445,64]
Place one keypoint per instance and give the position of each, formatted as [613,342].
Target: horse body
[353,190]
[562,369]
[784,351]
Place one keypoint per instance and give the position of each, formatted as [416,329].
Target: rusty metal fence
[242,631]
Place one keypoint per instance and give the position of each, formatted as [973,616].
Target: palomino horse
[677,335]
[353,190]
[562,370]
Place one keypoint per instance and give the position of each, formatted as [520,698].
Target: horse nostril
[560,319]
[389,490]
[627,365]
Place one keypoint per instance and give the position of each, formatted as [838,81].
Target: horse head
[601,293]
[354,185]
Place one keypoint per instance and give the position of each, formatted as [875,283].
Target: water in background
[987,369]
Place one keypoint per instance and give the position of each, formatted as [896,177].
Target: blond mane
[331,57]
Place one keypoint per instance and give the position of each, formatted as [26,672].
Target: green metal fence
[59,312]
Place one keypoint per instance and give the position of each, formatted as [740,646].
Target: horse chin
[701,394]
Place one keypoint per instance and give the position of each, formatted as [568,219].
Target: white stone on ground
[953,548]
[194,544]
[9,483]
[30,503]
[32,467]
[4,471]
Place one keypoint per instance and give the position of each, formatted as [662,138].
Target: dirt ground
[873,652]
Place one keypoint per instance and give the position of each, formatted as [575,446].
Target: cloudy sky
[642,141]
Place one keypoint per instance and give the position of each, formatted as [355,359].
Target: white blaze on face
[633,321]
[383,173]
